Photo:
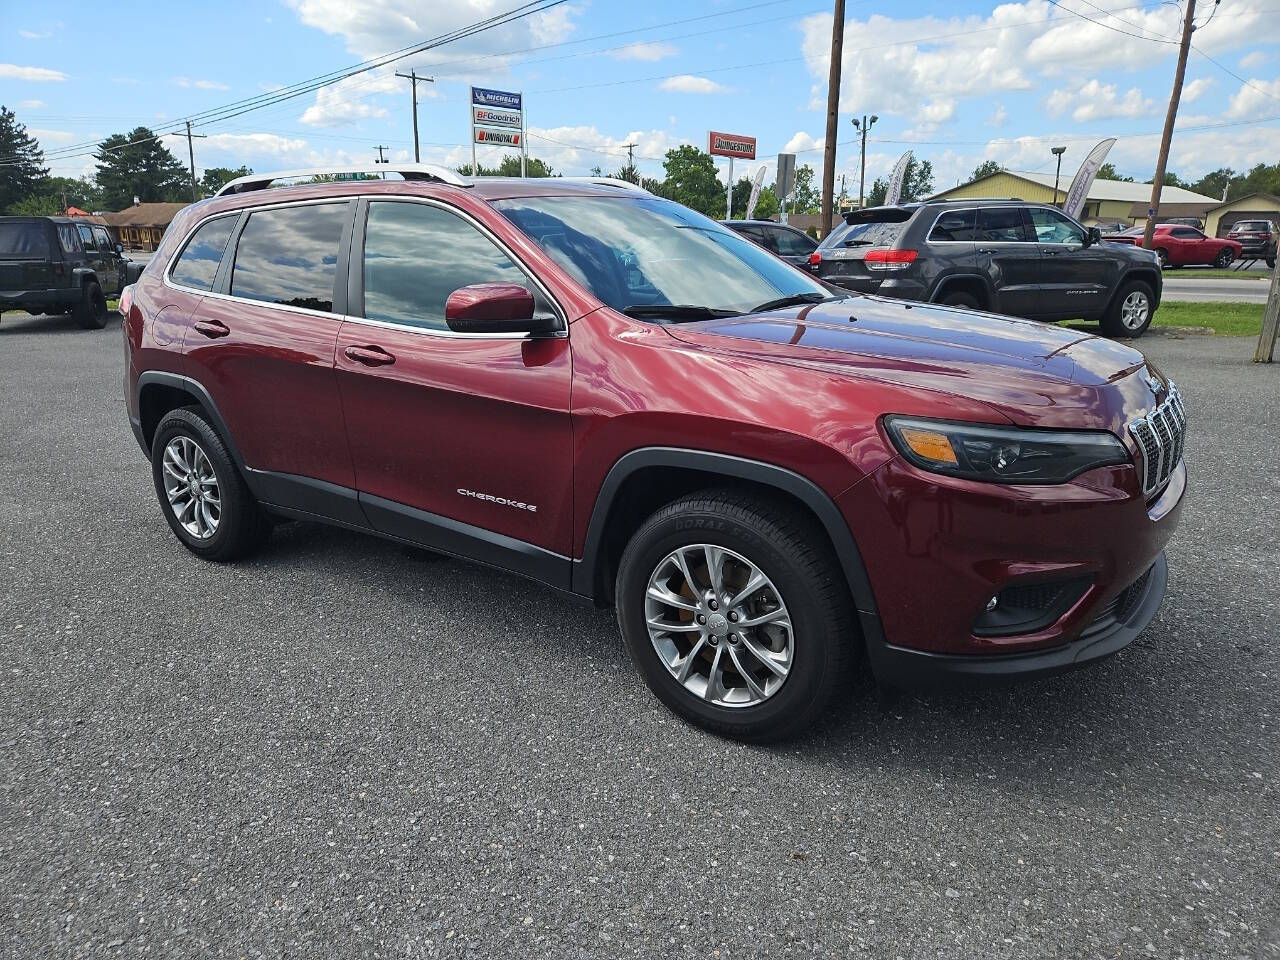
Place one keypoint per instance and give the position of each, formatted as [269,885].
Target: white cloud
[1098,101]
[35,34]
[687,83]
[11,71]
[30,104]
[52,136]
[1253,60]
[576,149]
[254,144]
[1254,97]
[645,51]
[344,102]
[1194,90]
[802,142]
[999,116]
[186,82]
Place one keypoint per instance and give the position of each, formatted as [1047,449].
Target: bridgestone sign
[731,145]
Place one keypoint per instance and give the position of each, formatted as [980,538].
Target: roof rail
[606,182]
[410,171]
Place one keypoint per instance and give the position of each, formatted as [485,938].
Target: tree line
[1223,183]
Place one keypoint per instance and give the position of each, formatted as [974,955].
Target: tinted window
[1185,233]
[872,229]
[955,225]
[1052,227]
[1001,225]
[1252,226]
[24,238]
[68,239]
[290,256]
[198,263]
[103,238]
[416,255]
[793,244]
[86,237]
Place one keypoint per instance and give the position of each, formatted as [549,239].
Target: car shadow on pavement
[16,323]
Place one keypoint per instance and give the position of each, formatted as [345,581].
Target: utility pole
[381,158]
[867,123]
[631,160]
[1188,25]
[191,157]
[413,78]
[833,112]
[1270,323]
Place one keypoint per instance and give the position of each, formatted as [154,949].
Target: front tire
[1130,312]
[1163,256]
[1224,258]
[202,495]
[91,311]
[735,611]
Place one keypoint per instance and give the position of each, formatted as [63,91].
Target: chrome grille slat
[1161,435]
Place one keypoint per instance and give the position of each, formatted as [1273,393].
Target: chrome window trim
[1054,210]
[562,331]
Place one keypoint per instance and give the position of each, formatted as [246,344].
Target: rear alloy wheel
[736,612]
[91,311]
[1224,258]
[1131,311]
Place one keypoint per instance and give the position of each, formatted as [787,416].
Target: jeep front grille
[1160,434]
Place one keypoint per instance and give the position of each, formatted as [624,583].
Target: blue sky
[958,83]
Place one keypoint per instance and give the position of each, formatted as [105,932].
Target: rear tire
[1130,312]
[810,630]
[1163,256]
[203,498]
[960,299]
[1224,258]
[91,311]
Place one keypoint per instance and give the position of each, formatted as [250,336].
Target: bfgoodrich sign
[731,145]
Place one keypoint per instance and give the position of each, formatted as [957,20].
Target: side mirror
[492,308]
[119,248]
[1092,235]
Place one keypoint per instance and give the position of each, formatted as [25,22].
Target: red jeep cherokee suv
[579,382]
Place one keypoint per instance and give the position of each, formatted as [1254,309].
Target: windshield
[637,251]
[1254,226]
[24,238]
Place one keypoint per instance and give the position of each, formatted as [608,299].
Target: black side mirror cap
[1094,235]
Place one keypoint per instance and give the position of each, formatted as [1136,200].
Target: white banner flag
[896,181]
[1078,192]
[755,191]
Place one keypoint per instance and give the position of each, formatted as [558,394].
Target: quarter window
[793,244]
[289,256]
[1053,227]
[955,225]
[415,255]
[198,264]
[1001,225]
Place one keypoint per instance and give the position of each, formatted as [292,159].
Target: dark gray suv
[1006,256]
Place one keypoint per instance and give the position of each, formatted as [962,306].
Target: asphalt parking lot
[344,748]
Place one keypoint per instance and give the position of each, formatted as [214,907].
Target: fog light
[993,603]
[1028,607]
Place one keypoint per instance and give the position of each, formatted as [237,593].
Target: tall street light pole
[864,126]
[413,78]
[1057,152]
[1170,118]
[833,111]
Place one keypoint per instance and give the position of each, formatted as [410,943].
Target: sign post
[730,145]
[497,117]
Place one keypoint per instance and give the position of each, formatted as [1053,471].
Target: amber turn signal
[929,445]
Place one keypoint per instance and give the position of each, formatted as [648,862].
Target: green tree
[509,166]
[987,168]
[808,198]
[215,178]
[37,205]
[1263,178]
[626,172]
[1218,183]
[691,179]
[73,192]
[767,206]
[22,169]
[1171,179]
[1108,171]
[879,190]
[138,165]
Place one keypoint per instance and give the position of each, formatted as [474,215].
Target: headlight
[1003,454]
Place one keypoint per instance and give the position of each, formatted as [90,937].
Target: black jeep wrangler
[61,265]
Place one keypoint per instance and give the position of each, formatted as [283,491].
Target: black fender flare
[81,274]
[952,278]
[1157,287]
[732,468]
[196,389]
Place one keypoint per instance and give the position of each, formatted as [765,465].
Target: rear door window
[792,244]
[103,238]
[955,226]
[20,239]
[68,239]
[1002,225]
[197,265]
[86,237]
[289,256]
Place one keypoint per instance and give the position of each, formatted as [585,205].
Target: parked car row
[603,390]
[1006,256]
[61,265]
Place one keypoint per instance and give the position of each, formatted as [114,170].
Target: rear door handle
[370,356]
[212,328]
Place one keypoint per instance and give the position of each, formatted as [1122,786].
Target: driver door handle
[212,328]
[370,356]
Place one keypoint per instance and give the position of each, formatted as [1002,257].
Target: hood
[1033,374]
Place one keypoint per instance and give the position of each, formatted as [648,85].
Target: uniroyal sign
[731,145]
[505,138]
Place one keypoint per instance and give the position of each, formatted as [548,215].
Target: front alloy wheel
[1225,258]
[719,625]
[1135,310]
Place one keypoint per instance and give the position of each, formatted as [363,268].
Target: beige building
[1109,201]
[141,226]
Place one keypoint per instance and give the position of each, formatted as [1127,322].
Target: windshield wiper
[855,242]
[681,311]
[794,300]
